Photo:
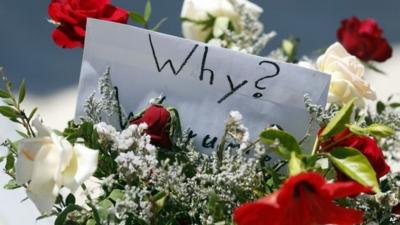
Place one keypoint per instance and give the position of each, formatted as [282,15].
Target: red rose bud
[364,39]
[71,15]
[159,122]
[366,145]
[303,199]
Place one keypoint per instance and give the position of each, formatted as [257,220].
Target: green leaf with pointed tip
[395,105]
[376,130]
[10,162]
[158,25]
[287,143]
[136,17]
[147,11]
[380,107]
[70,199]
[11,185]
[8,112]
[355,165]
[4,94]
[339,121]
[296,165]
[22,92]
[32,113]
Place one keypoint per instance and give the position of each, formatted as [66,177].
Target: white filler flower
[49,162]
[199,10]
[347,76]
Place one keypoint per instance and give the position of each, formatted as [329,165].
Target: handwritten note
[203,82]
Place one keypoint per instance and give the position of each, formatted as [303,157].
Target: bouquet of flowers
[149,171]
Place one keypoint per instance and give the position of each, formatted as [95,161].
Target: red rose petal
[65,37]
[115,14]
[364,39]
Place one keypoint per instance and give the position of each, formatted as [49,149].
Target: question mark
[257,83]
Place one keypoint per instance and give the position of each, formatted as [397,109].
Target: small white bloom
[93,189]
[236,115]
[347,76]
[49,162]
[199,10]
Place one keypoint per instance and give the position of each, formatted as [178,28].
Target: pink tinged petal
[65,37]
[42,189]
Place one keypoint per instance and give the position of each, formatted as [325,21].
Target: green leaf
[338,123]
[287,143]
[63,215]
[91,222]
[296,165]
[8,112]
[158,25]
[10,162]
[70,199]
[380,107]
[2,158]
[117,194]
[147,11]
[22,134]
[4,94]
[159,200]
[376,130]
[355,165]
[395,105]
[22,92]
[136,17]
[103,208]
[8,102]
[32,114]
[11,185]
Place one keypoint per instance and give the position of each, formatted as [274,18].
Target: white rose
[198,10]
[49,162]
[347,76]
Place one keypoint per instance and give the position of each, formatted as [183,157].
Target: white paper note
[203,82]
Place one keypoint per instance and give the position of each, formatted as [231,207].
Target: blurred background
[51,73]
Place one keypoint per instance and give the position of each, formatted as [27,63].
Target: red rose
[72,16]
[366,145]
[303,199]
[364,39]
[157,119]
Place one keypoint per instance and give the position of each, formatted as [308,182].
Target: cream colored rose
[347,76]
[49,162]
[198,10]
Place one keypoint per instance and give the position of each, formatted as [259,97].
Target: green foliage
[11,185]
[380,107]
[296,165]
[143,19]
[376,130]
[355,165]
[12,110]
[286,142]
[61,218]
[289,48]
[339,122]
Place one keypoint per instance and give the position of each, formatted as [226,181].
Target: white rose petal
[198,10]
[347,76]
[49,162]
